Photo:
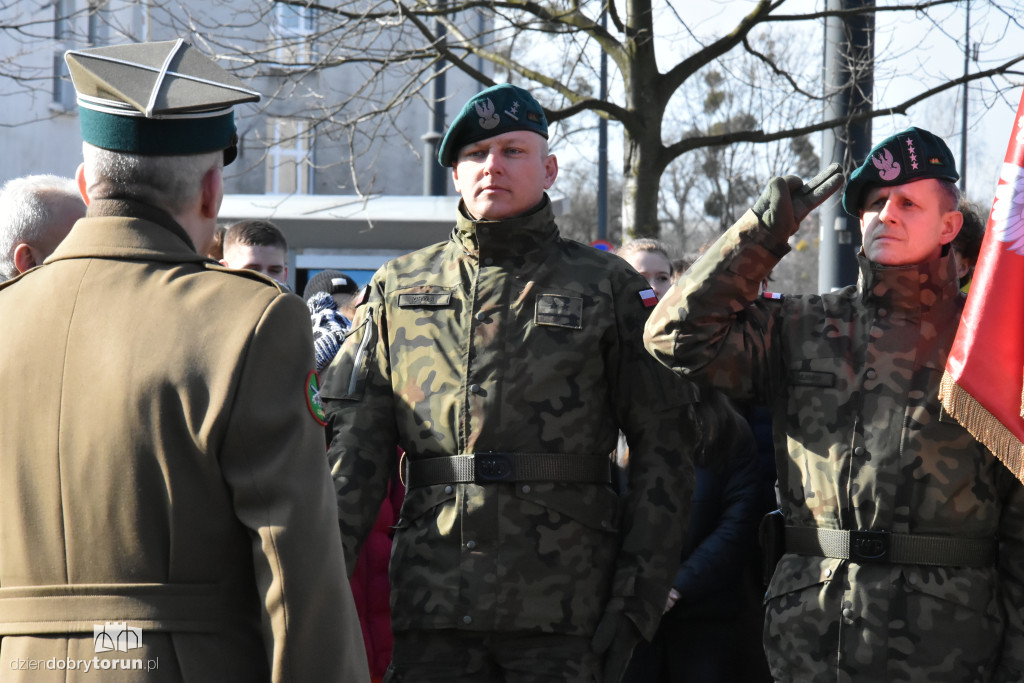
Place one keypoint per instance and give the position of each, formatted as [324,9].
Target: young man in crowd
[893,511]
[256,245]
[504,361]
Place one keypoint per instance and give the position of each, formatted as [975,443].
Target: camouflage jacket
[509,338]
[861,444]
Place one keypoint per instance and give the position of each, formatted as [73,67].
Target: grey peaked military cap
[164,98]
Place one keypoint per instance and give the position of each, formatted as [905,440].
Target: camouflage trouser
[450,656]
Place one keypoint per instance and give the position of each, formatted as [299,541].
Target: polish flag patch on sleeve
[649,298]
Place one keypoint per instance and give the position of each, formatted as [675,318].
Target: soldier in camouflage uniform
[893,512]
[504,361]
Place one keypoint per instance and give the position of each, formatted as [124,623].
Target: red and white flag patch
[649,297]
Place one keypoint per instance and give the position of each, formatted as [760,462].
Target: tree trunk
[643,151]
[642,178]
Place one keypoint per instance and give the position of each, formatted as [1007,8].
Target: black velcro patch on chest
[809,378]
[559,310]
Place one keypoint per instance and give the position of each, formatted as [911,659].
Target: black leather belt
[488,468]
[886,547]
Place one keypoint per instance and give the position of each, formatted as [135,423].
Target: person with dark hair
[903,555]
[164,496]
[216,249]
[342,289]
[329,296]
[256,245]
[967,243]
[700,638]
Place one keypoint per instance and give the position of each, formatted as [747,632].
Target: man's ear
[24,257]
[212,192]
[80,177]
[550,170]
[952,221]
[455,178]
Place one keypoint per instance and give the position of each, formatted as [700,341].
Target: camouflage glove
[615,637]
[787,201]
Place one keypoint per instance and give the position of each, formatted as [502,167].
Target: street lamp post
[849,82]
[434,180]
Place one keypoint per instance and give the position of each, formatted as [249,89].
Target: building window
[289,166]
[63,90]
[63,20]
[295,21]
[293,34]
[98,22]
[63,34]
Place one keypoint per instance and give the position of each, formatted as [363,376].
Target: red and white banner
[983,386]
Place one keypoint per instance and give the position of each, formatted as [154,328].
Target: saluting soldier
[893,512]
[504,361]
[166,509]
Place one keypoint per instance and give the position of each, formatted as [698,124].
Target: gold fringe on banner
[982,425]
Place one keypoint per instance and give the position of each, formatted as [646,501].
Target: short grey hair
[27,209]
[167,182]
[949,195]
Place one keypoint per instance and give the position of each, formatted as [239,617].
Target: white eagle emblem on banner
[1008,208]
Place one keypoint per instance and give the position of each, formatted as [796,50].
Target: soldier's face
[504,176]
[906,224]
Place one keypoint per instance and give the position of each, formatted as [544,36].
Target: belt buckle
[489,468]
[869,546]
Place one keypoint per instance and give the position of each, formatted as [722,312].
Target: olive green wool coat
[159,467]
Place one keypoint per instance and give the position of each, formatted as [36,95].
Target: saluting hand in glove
[787,201]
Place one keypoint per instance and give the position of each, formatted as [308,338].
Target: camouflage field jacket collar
[512,237]
[923,286]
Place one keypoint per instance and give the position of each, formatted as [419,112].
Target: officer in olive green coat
[893,512]
[166,509]
[504,361]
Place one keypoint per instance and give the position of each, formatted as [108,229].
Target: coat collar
[924,286]
[511,237]
[121,228]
